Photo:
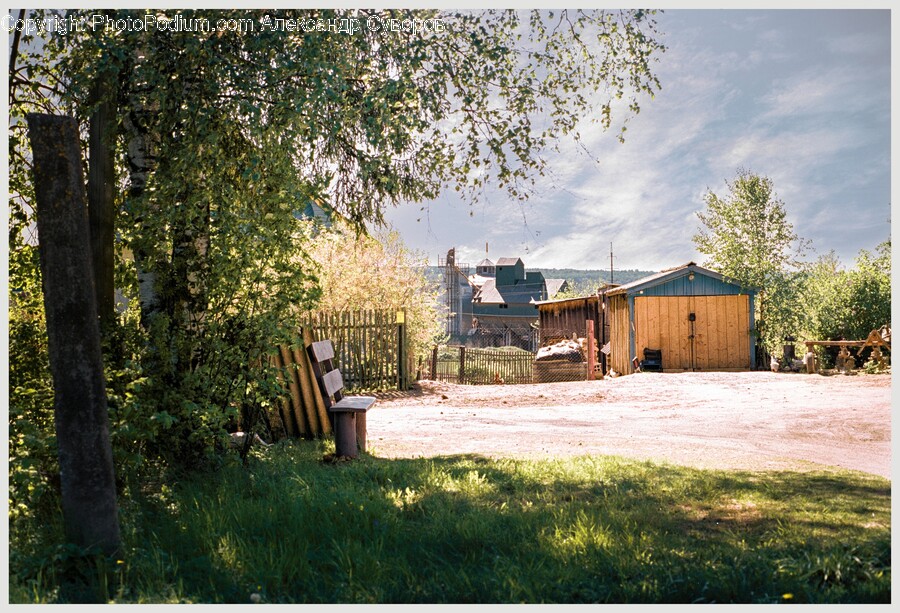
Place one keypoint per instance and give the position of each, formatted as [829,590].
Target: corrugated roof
[591,298]
[521,293]
[508,261]
[665,275]
[488,293]
[485,262]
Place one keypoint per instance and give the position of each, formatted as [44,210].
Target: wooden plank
[294,385]
[710,337]
[737,355]
[332,382]
[359,404]
[727,344]
[624,339]
[680,347]
[683,326]
[307,382]
[724,349]
[620,360]
[287,418]
[738,331]
[668,328]
[679,343]
[591,356]
[318,402]
[322,350]
[653,313]
[744,330]
[640,328]
[700,309]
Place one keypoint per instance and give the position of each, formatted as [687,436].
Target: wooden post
[434,363]
[591,353]
[294,386]
[101,194]
[461,378]
[401,355]
[86,472]
[810,360]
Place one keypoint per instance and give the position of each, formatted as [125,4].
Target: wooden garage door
[717,339]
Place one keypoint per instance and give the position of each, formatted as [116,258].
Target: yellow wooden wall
[619,342]
[721,331]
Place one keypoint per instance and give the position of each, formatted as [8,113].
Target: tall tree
[85,456]
[746,237]
[232,120]
[377,270]
[101,193]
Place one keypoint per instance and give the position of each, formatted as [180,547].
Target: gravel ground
[745,420]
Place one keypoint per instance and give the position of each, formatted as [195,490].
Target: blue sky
[801,96]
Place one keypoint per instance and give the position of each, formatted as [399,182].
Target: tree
[362,271]
[224,132]
[747,238]
[85,456]
[848,304]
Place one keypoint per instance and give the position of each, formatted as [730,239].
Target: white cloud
[754,93]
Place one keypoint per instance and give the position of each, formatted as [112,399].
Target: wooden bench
[349,412]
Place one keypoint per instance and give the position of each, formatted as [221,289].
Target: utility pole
[610,263]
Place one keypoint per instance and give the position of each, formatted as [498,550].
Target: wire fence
[482,363]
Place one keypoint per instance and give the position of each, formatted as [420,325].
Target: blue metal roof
[676,282]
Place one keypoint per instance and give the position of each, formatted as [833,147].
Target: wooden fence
[371,346]
[371,351]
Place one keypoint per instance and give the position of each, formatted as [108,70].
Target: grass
[290,528]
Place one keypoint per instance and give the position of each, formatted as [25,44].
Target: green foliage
[848,304]
[362,271]
[223,136]
[32,441]
[746,237]
[289,528]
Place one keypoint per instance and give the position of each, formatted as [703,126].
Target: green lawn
[289,528]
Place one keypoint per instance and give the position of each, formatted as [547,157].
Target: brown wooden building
[565,317]
[698,319]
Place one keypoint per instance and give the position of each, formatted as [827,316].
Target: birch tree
[747,238]
[224,133]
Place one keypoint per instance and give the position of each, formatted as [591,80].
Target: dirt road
[747,420]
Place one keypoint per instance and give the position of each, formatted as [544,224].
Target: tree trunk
[82,428]
[101,195]
[141,152]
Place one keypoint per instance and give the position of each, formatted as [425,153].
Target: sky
[799,96]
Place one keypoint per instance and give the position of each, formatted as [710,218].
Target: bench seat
[353,404]
[349,411]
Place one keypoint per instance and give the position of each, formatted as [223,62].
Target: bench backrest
[331,383]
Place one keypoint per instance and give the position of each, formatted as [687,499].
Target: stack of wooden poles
[302,413]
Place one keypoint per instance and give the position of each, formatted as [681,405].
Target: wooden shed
[697,318]
[565,317]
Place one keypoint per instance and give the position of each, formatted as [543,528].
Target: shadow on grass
[467,529]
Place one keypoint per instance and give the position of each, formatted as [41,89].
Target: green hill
[583,282]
